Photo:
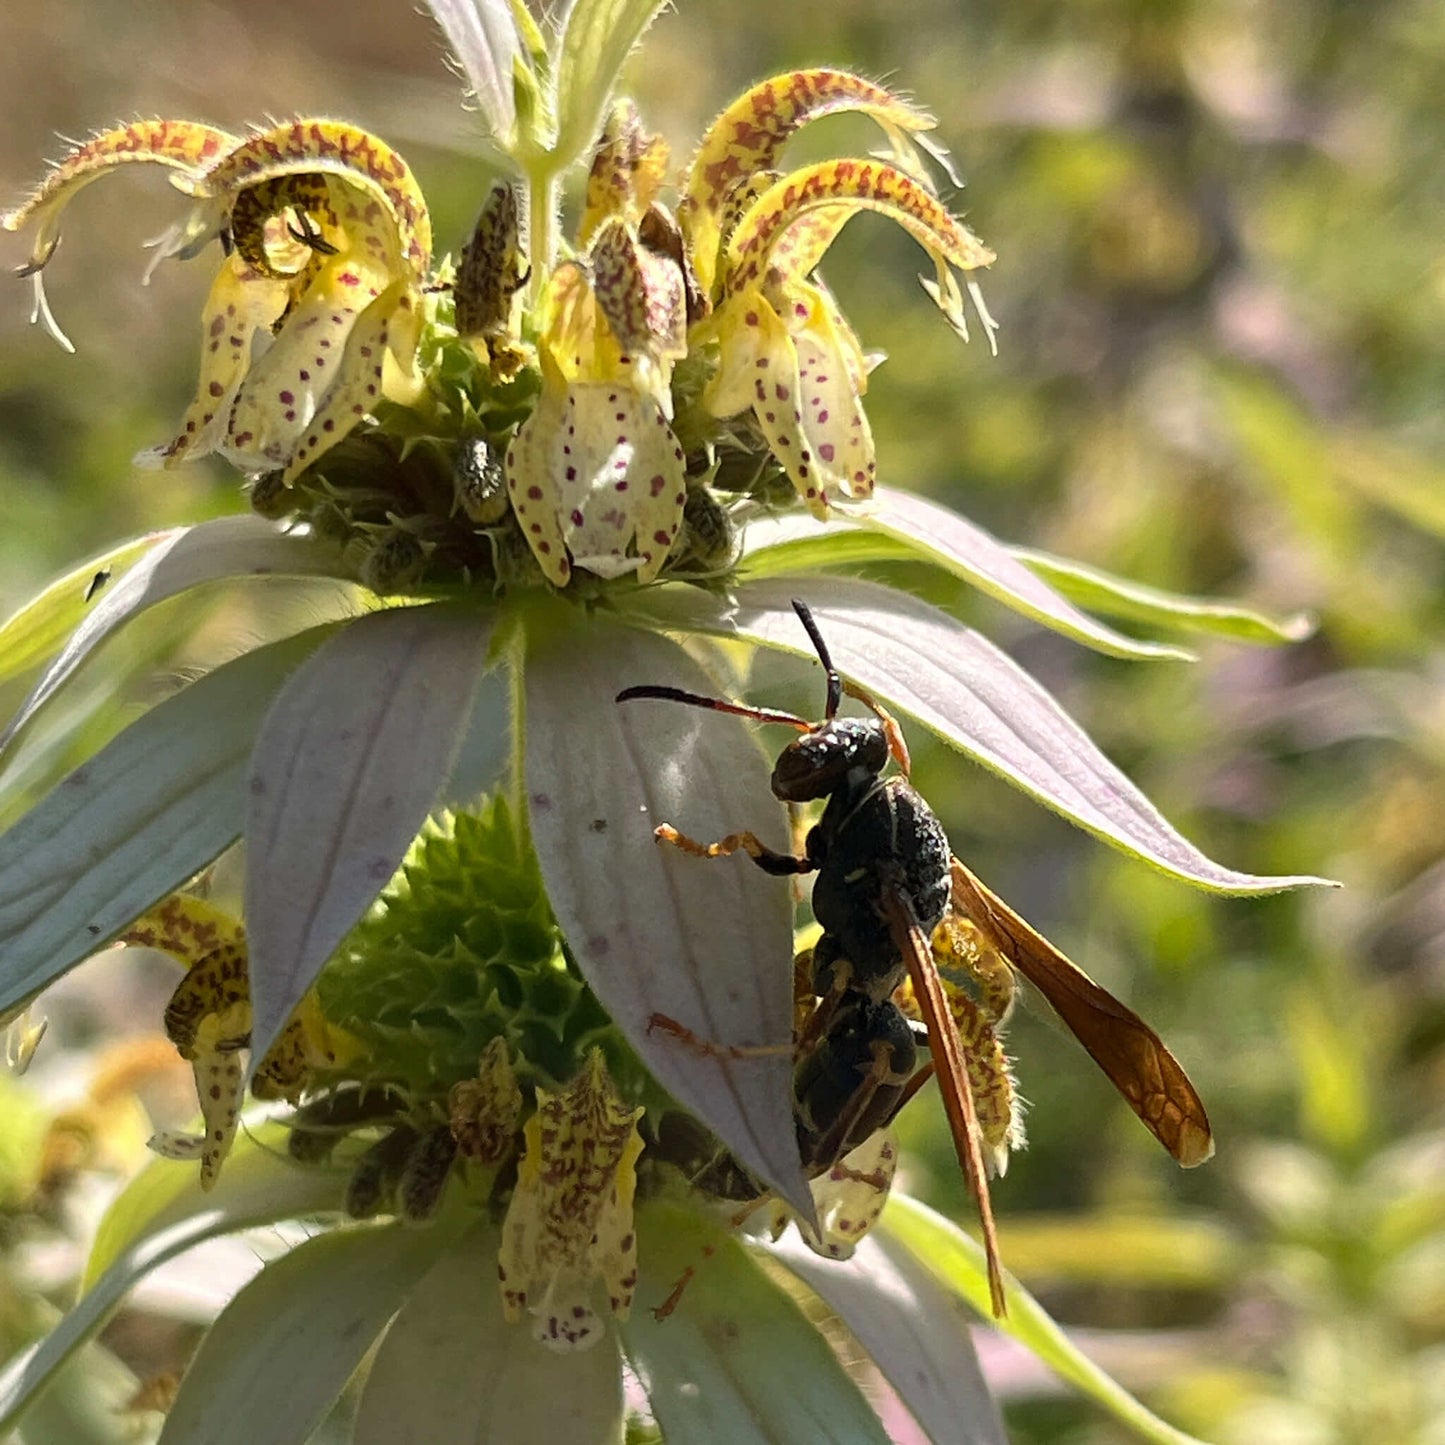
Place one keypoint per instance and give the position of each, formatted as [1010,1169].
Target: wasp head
[819,762]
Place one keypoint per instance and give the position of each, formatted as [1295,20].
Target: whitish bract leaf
[737,1360]
[160,1214]
[916,1331]
[597,37]
[130,826]
[921,530]
[1120,597]
[278,1356]
[941,1249]
[346,767]
[483,37]
[957,683]
[39,629]
[453,1371]
[227,547]
[707,943]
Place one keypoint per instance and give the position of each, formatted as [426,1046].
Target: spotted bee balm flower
[469,989]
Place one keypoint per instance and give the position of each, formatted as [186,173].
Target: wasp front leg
[780,865]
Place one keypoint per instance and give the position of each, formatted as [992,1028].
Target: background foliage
[1221,288]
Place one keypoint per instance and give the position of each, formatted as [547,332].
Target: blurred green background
[1221,290]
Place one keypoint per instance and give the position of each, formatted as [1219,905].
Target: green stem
[541,231]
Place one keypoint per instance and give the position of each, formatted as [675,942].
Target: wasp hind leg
[780,865]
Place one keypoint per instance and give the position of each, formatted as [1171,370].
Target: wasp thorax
[813,766]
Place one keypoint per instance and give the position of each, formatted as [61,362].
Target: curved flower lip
[185,146]
[340,286]
[747,138]
[784,347]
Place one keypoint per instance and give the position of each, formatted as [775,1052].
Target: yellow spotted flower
[570,1219]
[596,476]
[209,1021]
[784,347]
[326,244]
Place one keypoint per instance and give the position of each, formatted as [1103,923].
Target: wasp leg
[674,1296]
[897,747]
[781,865]
[706,1047]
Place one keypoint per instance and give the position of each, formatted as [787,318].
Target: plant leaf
[707,944]
[453,1371]
[346,766]
[913,1328]
[280,1353]
[923,531]
[1119,597]
[151,1223]
[737,1360]
[958,684]
[146,813]
[956,1262]
[259,1185]
[483,37]
[40,627]
[243,546]
[597,38]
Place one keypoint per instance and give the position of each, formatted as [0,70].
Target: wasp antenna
[714,704]
[835,683]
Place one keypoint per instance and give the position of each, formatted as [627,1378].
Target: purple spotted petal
[706,943]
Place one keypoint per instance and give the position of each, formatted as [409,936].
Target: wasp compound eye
[814,766]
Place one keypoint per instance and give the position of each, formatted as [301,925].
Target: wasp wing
[1130,1053]
[947,1050]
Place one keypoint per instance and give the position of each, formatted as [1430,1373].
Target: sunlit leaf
[1155,1251]
[39,629]
[259,1185]
[136,821]
[955,682]
[709,945]
[1119,597]
[453,1371]
[483,37]
[151,1223]
[737,1360]
[916,1332]
[278,1356]
[347,765]
[957,1263]
[922,531]
[243,546]
[597,38]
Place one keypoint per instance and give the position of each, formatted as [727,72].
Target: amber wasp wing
[946,1047]
[1133,1057]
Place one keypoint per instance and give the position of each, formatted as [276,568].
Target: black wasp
[884,883]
